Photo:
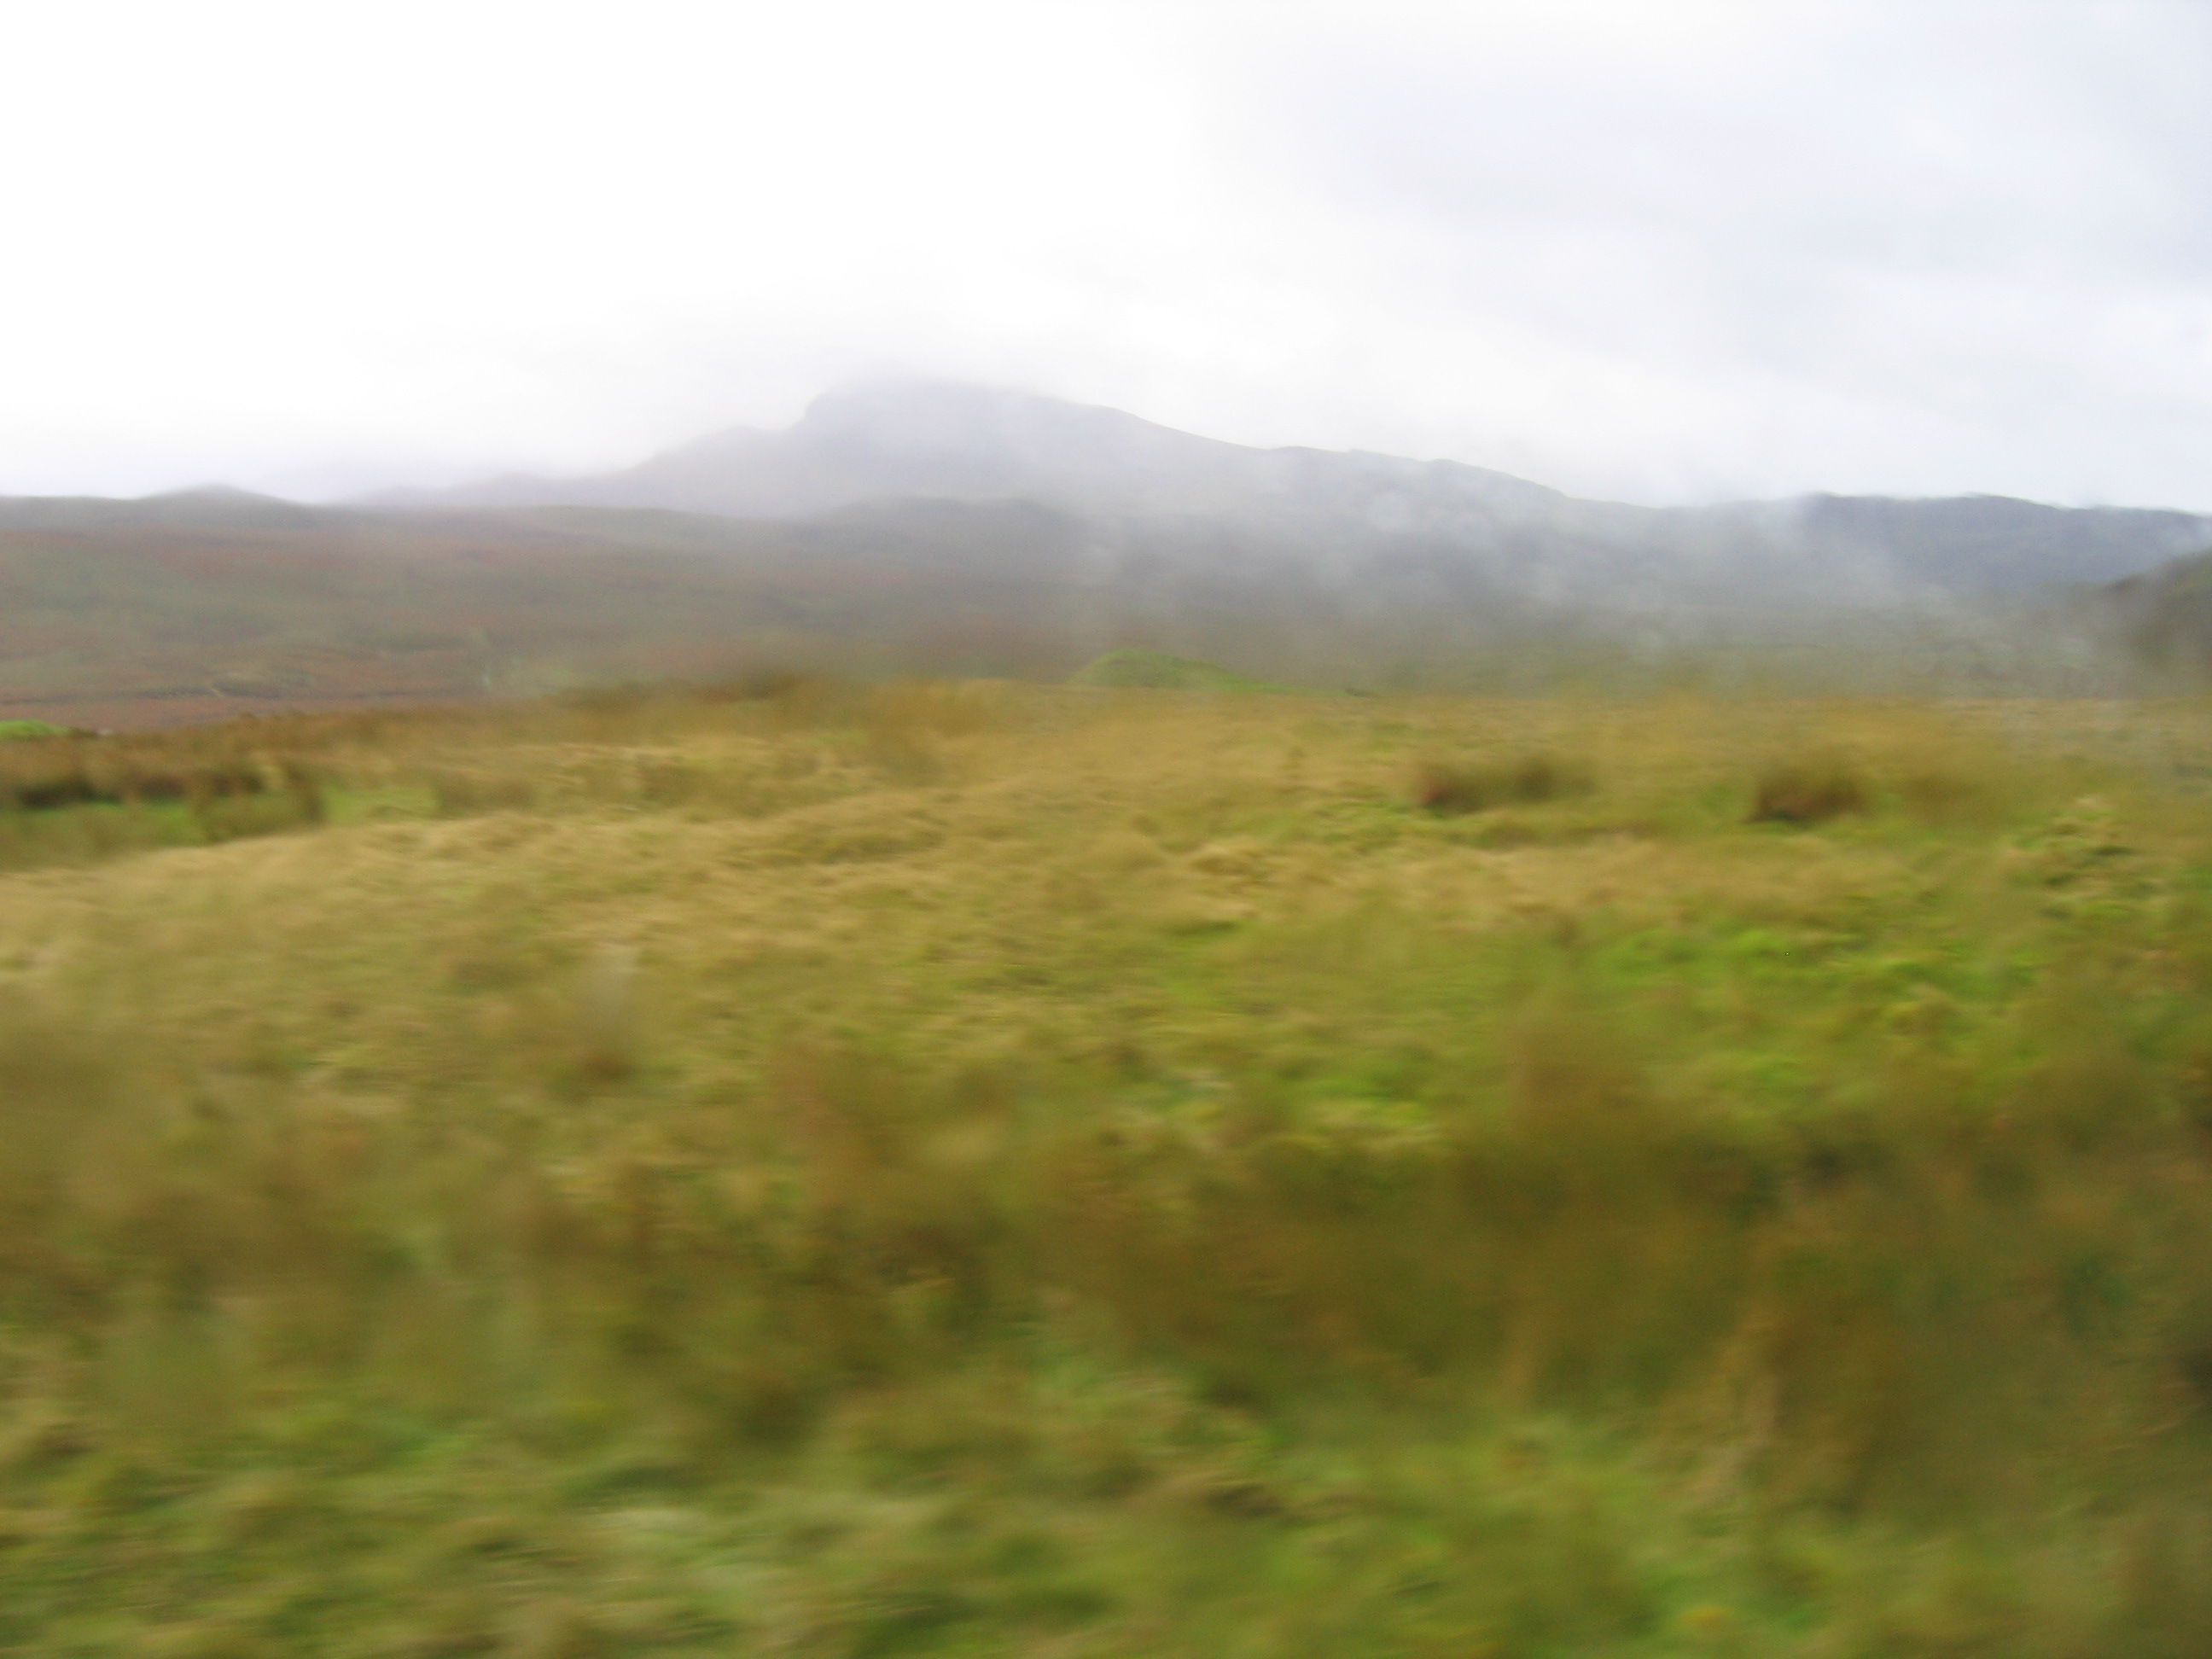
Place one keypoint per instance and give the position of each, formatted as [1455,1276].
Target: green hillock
[1158,670]
[12,729]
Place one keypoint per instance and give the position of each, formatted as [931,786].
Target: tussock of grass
[1811,790]
[962,1169]
[1452,786]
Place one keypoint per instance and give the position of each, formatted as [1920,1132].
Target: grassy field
[970,1169]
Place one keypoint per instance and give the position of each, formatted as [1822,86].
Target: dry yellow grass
[982,1169]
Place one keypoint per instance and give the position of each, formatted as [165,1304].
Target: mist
[1732,251]
[913,528]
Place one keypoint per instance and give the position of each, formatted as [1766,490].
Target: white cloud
[1663,251]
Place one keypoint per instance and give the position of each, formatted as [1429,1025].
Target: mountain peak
[211,492]
[935,412]
[915,438]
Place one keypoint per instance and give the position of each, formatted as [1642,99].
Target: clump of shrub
[1812,789]
[74,795]
[79,777]
[1450,787]
[266,801]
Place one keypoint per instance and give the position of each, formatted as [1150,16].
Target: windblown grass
[958,1170]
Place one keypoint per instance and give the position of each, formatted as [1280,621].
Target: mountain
[921,528]
[162,610]
[214,508]
[920,438]
[2162,616]
[1133,482]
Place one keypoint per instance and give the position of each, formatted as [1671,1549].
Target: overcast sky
[1662,250]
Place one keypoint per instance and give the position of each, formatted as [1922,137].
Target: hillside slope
[928,529]
[124,612]
[2164,616]
[897,439]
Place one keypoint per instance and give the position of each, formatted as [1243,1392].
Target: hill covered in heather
[1123,475]
[915,527]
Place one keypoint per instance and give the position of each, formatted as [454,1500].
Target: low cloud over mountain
[922,528]
[1137,485]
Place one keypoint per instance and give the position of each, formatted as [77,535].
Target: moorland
[793,1167]
[958,532]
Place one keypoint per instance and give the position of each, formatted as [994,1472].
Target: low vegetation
[1450,786]
[1161,671]
[962,1170]
[1807,790]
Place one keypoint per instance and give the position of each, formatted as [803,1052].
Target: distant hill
[2164,616]
[956,442]
[921,528]
[1132,482]
[124,612]
[1996,544]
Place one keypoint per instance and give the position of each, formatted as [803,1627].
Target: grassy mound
[16,729]
[1157,671]
[982,1169]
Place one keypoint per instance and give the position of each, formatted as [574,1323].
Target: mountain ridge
[942,439]
[946,440]
[1017,536]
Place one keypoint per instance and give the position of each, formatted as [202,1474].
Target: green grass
[964,1171]
[1159,671]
